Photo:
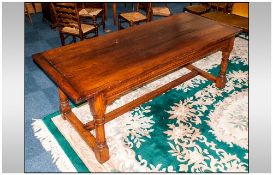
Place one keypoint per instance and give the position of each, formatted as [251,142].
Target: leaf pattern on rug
[184,111]
[212,149]
[138,126]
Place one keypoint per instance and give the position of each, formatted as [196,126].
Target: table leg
[64,104]
[114,6]
[97,107]
[221,79]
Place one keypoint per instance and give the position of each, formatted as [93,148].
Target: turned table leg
[64,104]
[97,107]
[221,79]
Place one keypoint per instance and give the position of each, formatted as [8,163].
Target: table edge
[57,78]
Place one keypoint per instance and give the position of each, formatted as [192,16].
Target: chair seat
[85,28]
[133,16]
[89,12]
[29,8]
[197,9]
[161,11]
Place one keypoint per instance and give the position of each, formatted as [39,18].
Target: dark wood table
[229,19]
[102,69]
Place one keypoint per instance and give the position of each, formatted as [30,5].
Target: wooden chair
[161,11]
[136,17]
[28,10]
[198,9]
[93,11]
[223,7]
[68,22]
[207,7]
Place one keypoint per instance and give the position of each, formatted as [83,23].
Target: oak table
[102,69]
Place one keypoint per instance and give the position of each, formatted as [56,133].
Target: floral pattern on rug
[230,127]
[207,129]
[138,126]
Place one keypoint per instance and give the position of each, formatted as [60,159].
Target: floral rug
[194,127]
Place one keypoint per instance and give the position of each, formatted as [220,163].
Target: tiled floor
[40,92]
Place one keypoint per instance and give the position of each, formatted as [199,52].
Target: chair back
[82,5]
[220,6]
[67,15]
[147,8]
[240,9]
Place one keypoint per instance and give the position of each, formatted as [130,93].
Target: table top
[230,19]
[95,65]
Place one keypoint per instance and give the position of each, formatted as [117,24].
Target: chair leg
[97,31]
[28,14]
[94,18]
[81,37]
[114,7]
[62,38]
[29,18]
[119,23]
[74,39]
[131,24]
[103,22]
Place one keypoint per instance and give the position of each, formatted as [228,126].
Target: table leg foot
[220,82]
[102,153]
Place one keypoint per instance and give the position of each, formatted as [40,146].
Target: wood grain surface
[89,67]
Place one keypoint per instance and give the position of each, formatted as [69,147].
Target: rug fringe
[50,144]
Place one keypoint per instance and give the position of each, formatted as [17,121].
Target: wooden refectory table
[102,69]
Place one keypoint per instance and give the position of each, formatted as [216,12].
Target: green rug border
[64,144]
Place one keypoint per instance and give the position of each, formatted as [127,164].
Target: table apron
[122,88]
